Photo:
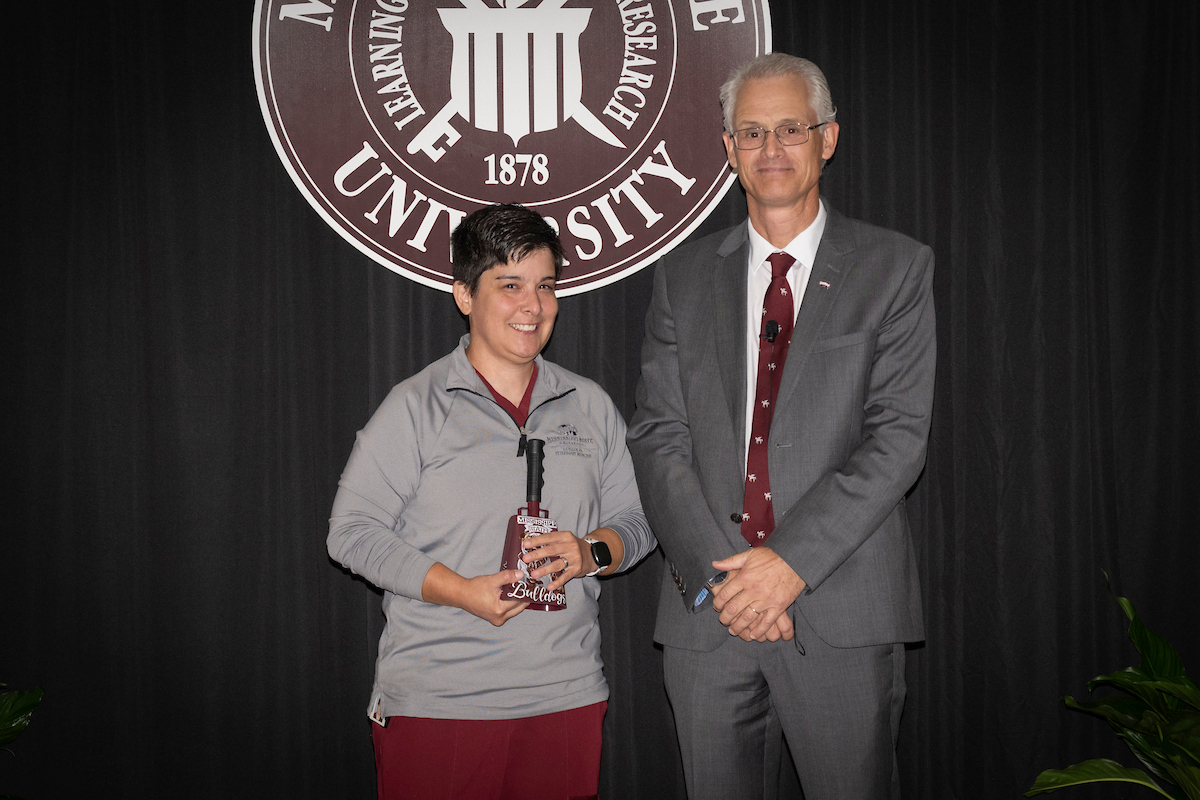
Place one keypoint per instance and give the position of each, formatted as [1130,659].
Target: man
[783,411]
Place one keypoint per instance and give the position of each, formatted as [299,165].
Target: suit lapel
[729,304]
[824,284]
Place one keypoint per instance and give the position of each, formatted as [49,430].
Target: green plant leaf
[1120,711]
[1150,689]
[1148,749]
[1097,770]
[16,709]
[1188,779]
[1159,659]
[1183,688]
[1157,764]
[1182,735]
[1167,746]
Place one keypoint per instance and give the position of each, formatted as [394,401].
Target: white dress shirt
[804,249]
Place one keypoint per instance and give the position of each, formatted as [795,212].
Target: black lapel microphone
[772,331]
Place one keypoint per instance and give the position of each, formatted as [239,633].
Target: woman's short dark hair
[499,234]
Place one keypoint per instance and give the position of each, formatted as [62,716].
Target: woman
[476,696]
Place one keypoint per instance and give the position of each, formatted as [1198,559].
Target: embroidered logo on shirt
[566,441]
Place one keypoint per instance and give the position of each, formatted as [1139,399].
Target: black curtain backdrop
[189,351]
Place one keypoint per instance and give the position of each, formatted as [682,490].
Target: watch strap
[599,567]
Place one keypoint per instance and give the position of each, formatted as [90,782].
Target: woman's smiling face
[512,312]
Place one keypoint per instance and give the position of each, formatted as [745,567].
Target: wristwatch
[600,554]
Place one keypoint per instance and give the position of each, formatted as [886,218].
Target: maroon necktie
[775,334]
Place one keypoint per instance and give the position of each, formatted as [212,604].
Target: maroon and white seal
[398,118]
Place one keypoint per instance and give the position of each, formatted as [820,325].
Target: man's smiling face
[774,176]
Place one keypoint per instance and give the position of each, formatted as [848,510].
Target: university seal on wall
[397,119]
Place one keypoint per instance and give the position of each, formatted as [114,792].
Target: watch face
[600,554]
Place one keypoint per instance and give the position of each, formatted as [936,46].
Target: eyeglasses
[788,136]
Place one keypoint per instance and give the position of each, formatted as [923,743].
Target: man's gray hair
[776,65]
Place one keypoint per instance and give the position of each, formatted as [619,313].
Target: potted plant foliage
[1157,714]
[16,709]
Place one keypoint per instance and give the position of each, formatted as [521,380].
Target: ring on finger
[566,564]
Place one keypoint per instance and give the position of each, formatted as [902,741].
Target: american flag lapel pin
[824,284]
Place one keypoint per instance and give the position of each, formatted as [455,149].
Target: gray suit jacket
[847,440]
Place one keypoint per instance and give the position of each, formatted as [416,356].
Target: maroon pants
[549,757]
